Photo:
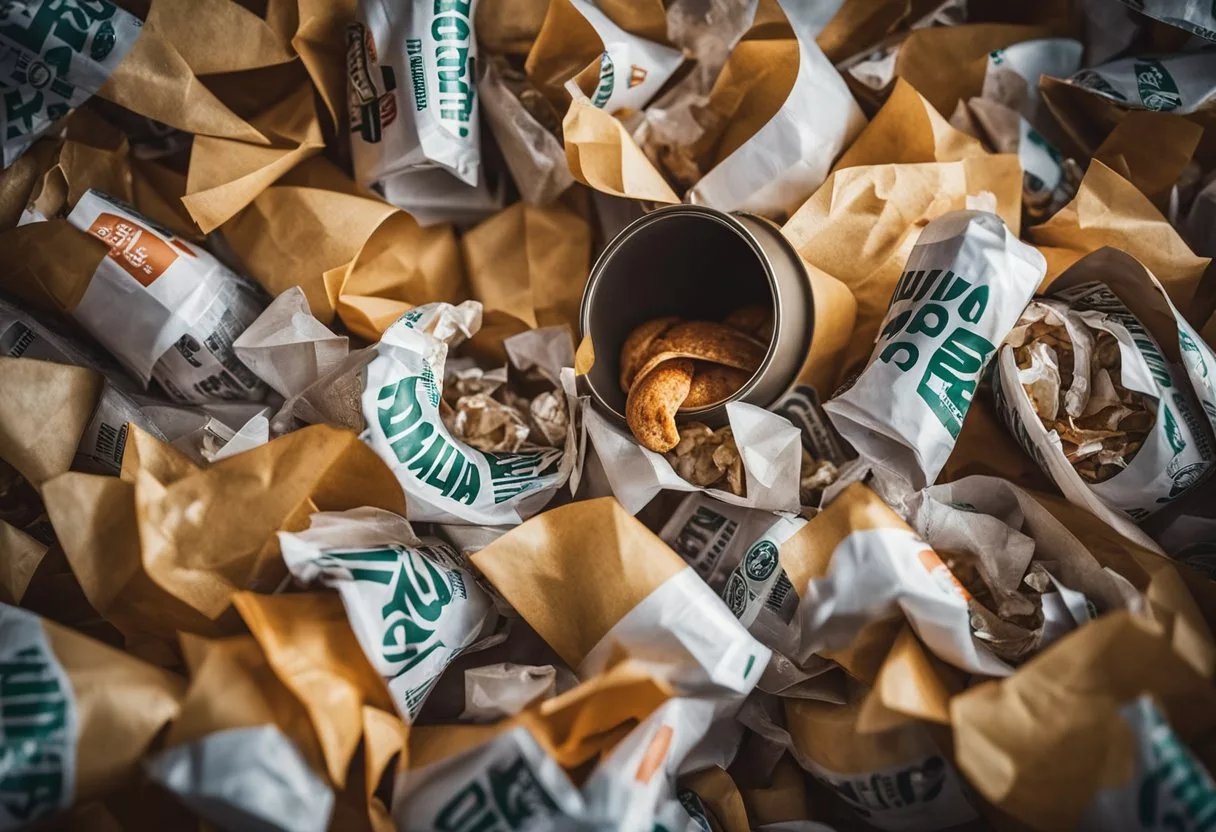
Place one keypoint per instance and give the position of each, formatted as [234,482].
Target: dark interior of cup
[693,266]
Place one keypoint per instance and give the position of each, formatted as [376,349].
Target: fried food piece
[755,320]
[712,383]
[653,401]
[636,350]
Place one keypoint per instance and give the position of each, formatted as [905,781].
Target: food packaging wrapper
[769,446]
[1100,750]
[167,310]
[1161,356]
[618,69]
[623,589]
[1173,83]
[445,479]
[413,90]
[55,60]
[896,780]
[77,715]
[1195,17]
[963,287]
[410,602]
[499,690]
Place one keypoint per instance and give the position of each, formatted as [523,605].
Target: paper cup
[698,263]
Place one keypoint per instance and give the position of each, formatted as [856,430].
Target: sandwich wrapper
[78,716]
[1161,355]
[411,603]
[55,62]
[963,287]
[445,479]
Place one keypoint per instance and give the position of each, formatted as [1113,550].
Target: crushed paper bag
[309,645]
[52,69]
[1066,751]
[533,154]
[1153,151]
[287,347]
[898,779]
[787,156]
[530,263]
[622,589]
[20,555]
[95,711]
[431,121]
[769,452]
[188,306]
[858,568]
[1110,211]
[1161,356]
[602,155]
[410,602]
[989,275]
[1030,580]
[353,255]
[619,69]
[500,690]
[444,478]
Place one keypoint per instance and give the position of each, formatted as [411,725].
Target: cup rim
[725,219]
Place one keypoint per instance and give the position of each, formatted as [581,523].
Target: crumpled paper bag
[1044,743]
[446,479]
[43,414]
[989,275]
[411,603]
[155,556]
[603,156]
[622,589]
[531,263]
[20,556]
[353,255]
[880,209]
[78,715]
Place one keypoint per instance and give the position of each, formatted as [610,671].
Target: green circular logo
[736,594]
[761,561]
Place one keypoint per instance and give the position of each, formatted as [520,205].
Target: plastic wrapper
[445,479]
[962,290]
[1152,385]
[56,57]
[413,91]
[411,603]
[77,716]
[167,310]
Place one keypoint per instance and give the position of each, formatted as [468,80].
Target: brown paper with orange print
[862,223]
[1040,743]
[572,572]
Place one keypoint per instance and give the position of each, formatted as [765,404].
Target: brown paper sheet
[49,264]
[603,155]
[20,555]
[233,686]
[1151,150]
[1039,743]
[44,410]
[720,796]
[307,641]
[530,263]
[122,704]
[573,572]
[912,684]
[782,800]
[1110,211]
[320,41]
[313,228]
[862,223]
[227,174]
[218,36]
[509,27]
[860,24]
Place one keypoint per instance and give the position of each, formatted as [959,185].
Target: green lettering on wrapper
[951,376]
[33,736]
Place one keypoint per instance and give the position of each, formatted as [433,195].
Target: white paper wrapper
[1180,83]
[1044,179]
[534,156]
[210,431]
[444,479]
[769,445]
[433,197]
[964,286]
[1178,453]
[509,782]
[40,755]
[1169,788]
[287,347]
[498,690]
[246,779]
[1195,16]
[413,90]
[632,69]
[53,57]
[1012,76]
[774,171]
[165,308]
[411,603]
